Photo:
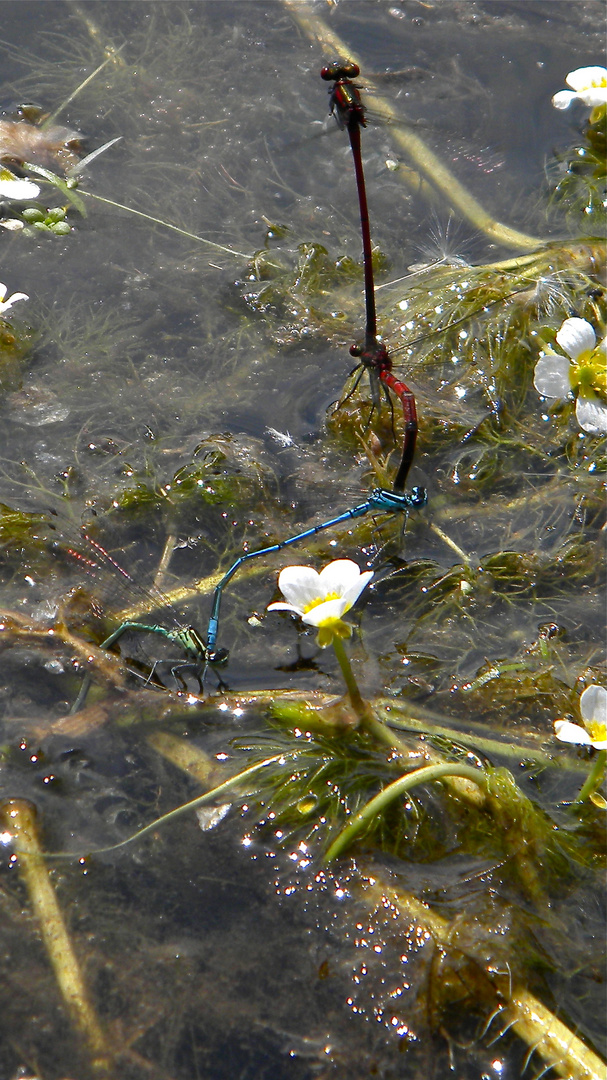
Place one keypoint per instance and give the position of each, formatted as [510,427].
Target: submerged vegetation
[425,852]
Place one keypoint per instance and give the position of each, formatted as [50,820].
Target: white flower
[11,187]
[593,707]
[6,304]
[589,85]
[583,375]
[321,599]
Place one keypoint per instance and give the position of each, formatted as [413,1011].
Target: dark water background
[213,957]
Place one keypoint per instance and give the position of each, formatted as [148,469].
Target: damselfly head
[340,70]
[419,497]
[372,354]
[391,502]
[217,656]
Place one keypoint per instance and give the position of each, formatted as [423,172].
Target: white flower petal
[318,597]
[338,576]
[331,609]
[11,187]
[591,415]
[586,77]
[352,594]
[593,705]
[551,376]
[571,733]
[300,585]
[593,97]
[4,306]
[576,336]
[3,291]
[563,99]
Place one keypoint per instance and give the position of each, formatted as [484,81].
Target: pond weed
[485,612]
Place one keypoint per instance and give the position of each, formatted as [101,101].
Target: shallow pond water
[170,383]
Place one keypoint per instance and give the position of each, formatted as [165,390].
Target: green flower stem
[459,783]
[396,716]
[361,707]
[595,777]
[59,183]
[404,784]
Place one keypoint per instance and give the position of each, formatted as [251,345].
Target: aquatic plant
[443,847]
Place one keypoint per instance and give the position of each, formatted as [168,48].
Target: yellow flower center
[320,600]
[588,374]
[596,730]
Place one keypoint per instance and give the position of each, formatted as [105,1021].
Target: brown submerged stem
[19,817]
[559,1047]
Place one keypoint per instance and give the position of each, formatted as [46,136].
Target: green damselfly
[81,549]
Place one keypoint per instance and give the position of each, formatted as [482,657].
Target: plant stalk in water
[362,708]
[400,787]
[19,817]
[595,777]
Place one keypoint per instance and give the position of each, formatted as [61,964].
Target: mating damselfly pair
[201,651]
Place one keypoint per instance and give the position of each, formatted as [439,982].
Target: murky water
[170,385]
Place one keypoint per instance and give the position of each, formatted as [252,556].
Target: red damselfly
[347,107]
